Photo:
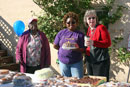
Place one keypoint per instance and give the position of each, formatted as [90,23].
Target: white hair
[87,13]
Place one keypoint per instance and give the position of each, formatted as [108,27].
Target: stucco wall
[120,28]
[12,10]
[17,10]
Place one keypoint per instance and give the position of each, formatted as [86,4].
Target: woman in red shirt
[97,56]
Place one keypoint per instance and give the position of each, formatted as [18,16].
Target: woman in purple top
[70,45]
[33,50]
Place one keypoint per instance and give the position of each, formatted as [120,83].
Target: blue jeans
[72,70]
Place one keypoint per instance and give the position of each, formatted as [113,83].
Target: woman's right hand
[17,62]
[56,47]
[20,62]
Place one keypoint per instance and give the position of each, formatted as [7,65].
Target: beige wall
[123,24]
[17,10]
[120,28]
[12,10]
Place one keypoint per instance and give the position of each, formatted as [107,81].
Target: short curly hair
[70,15]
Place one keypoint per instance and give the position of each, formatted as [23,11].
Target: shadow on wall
[118,70]
[8,38]
[120,29]
[115,68]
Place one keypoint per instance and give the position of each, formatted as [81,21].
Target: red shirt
[101,38]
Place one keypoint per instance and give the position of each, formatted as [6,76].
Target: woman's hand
[82,50]
[89,42]
[56,47]
[17,62]
[20,62]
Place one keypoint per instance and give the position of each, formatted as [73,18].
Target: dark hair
[70,15]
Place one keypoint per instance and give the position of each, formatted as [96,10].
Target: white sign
[128,43]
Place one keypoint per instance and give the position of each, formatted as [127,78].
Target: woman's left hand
[89,43]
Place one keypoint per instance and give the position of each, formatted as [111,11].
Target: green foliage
[123,54]
[106,18]
[115,41]
[54,10]
[49,27]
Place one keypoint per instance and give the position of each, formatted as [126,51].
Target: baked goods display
[21,80]
[6,76]
[7,79]
[43,74]
[4,71]
[57,81]
[47,78]
[68,45]
[115,84]
[90,81]
[60,81]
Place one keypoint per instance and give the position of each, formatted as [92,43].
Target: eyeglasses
[73,22]
[91,18]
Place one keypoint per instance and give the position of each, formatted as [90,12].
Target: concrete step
[11,66]
[6,60]
[3,53]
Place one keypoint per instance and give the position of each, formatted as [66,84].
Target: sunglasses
[73,22]
[91,18]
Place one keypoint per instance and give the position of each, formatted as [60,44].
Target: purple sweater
[21,50]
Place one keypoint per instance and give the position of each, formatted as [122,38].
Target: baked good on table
[43,74]
[4,71]
[68,45]
[90,81]
[61,81]
[21,80]
[7,78]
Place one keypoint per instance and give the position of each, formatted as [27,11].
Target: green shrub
[123,54]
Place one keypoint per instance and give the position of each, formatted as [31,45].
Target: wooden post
[128,48]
